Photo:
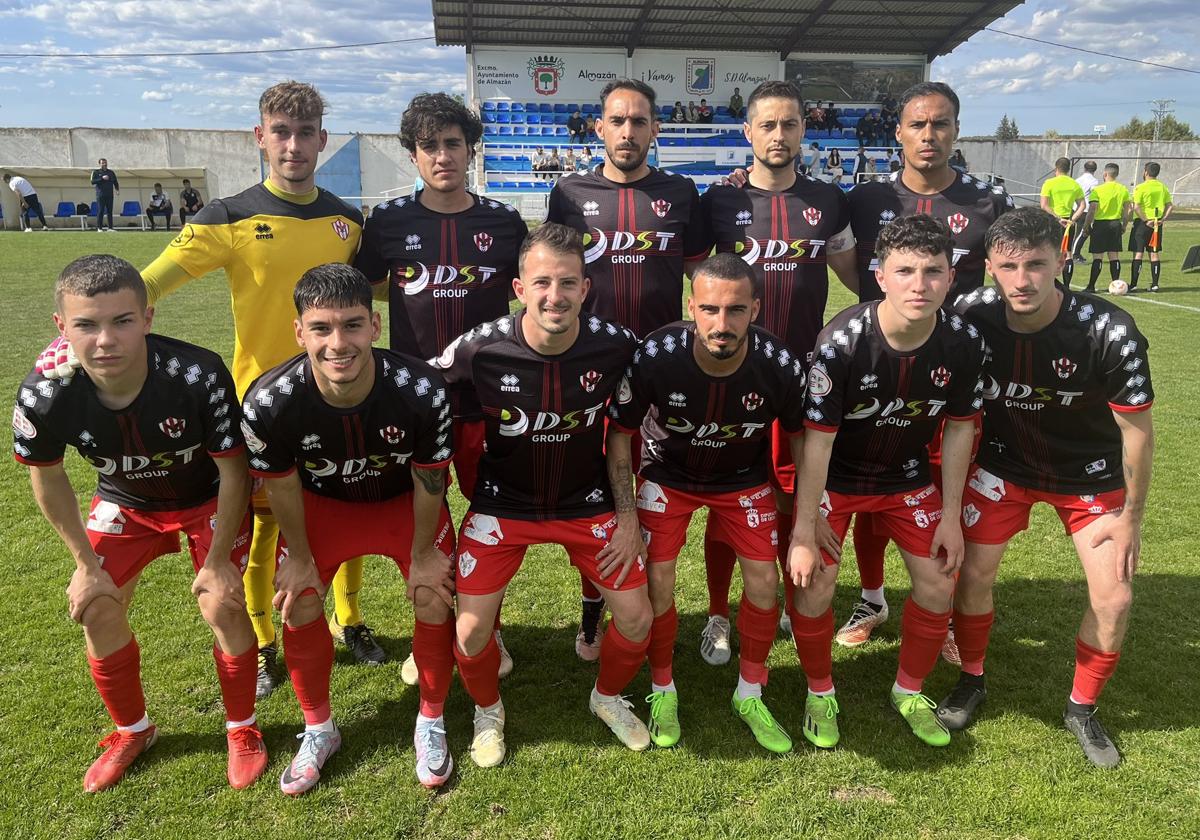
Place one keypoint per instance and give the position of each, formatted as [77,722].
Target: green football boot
[769,734]
[820,721]
[664,718]
[918,710]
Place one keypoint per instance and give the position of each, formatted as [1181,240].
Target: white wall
[674,73]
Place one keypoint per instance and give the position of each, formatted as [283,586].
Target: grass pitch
[1016,773]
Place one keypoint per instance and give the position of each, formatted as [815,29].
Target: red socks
[868,550]
[620,660]
[661,651]
[237,676]
[921,636]
[479,673]
[971,634]
[1093,668]
[756,627]
[433,650]
[308,651]
[719,562]
[118,678]
[814,646]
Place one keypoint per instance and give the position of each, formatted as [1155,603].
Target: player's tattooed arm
[1137,454]
[433,480]
[625,545]
[56,499]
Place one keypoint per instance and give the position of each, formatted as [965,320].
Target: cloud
[156,96]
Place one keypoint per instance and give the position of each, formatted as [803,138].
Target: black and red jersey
[544,416]
[884,405]
[968,206]
[636,238]
[703,433]
[359,454]
[784,236]
[446,272]
[1050,396]
[154,454]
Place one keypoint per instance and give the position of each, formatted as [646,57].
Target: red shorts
[783,468]
[995,510]
[339,531]
[126,539]
[468,449]
[491,548]
[743,519]
[909,518]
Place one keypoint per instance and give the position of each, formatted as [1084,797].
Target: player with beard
[1067,422]
[639,226]
[444,260]
[788,228]
[544,376]
[352,443]
[861,454]
[927,131]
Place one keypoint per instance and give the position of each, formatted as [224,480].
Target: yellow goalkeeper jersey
[265,239]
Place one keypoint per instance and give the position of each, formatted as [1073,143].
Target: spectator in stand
[889,118]
[704,114]
[957,161]
[190,202]
[693,114]
[862,163]
[30,204]
[554,166]
[816,115]
[895,160]
[585,158]
[159,205]
[737,106]
[538,162]
[569,164]
[105,182]
[366,211]
[831,118]
[678,113]
[864,132]
[834,163]
[813,158]
[577,127]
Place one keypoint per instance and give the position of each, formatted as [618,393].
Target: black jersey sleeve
[34,443]
[791,417]
[270,456]
[1125,363]
[455,363]
[556,210]
[965,400]
[696,244]
[633,398]
[827,379]
[369,259]
[434,445]
[222,415]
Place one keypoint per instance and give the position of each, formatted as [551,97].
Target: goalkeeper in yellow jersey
[265,238]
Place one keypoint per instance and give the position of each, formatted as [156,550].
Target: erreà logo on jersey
[173,427]
[548,426]
[958,223]
[341,228]
[417,277]
[754,251]
[813,216]
[661,207]
[590,380]
[597,243]
[483,241]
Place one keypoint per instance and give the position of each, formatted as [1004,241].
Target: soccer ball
[1118,287]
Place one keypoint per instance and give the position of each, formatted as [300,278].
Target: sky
[1042,87]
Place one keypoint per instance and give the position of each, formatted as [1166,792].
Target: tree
[1171,129]
[1007,130]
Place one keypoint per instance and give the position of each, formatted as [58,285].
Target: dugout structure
[60,185]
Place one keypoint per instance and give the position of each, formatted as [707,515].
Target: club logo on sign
[958,223]
[173,427]
[483,241]
[341,229]
[812,215]
[701,75]
[660,207]
[545,70]
[1064,367]
[590,380]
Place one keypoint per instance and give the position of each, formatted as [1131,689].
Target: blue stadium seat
[533,119]
[502,105]
[503,117]
[561,131]
[572,107]
[547,131]
[560,107]
[506,131]
[516,106]
[591,110]
[66,209]
[561,119]
[489,105]
[95,209]
[546,108]
[488,117]
[531,106]
[518,130]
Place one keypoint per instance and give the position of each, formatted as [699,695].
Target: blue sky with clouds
[1042,87]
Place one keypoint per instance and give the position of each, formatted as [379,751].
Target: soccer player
[1152,204]
[707,395]
[447,257]
[785,226]
[884,377]
[158,419]
[1063,197]
[353,443]
[928,184]
[544,376]
[639,226]
[1067,422]
[1108,214]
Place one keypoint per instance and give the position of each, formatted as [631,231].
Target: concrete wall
[1026,163]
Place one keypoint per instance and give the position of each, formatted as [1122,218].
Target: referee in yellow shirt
[1108,213]
[1152,204]
[265,238]
[1063,197]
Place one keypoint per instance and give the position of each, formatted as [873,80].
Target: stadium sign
[545,70]
[523,75]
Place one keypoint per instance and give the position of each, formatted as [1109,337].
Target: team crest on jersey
[819,383]
[341,229]
[391,435]
[940,377]
[661,207]
[1064,367]
[173,427]
[958,223]
[752,401]
[590,380]
[970,515]
[466,564]
[483,241]
[813,216]
[21,425]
